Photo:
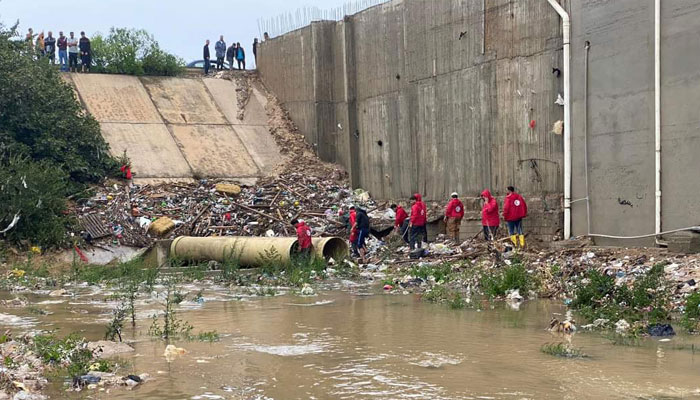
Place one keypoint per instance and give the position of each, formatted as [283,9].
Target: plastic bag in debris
[270,233]
[389,214]
[440,248]
[144,223]
[361,196]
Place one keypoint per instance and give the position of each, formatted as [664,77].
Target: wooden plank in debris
[93,225]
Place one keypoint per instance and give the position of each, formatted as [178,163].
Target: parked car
[200,64]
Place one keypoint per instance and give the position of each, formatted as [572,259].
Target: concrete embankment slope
[181,128]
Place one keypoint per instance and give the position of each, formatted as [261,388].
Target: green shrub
[133,52]
[441,272]
[35,193]
[514,276]
[691,313]
[647,299]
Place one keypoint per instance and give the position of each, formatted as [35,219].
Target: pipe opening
[335,248]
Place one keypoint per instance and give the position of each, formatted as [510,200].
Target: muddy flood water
[357,343]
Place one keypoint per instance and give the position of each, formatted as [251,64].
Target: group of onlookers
[69,48]
[233,53]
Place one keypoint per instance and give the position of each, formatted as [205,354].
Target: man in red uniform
[514,210]
[303,237]
[417,222]
[401,221]
[489,215]
[454,212]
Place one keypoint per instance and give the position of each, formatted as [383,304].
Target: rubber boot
[514,239]
[522,241]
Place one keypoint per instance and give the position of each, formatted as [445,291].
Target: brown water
[345,344]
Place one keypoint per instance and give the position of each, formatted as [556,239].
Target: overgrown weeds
[512,277]
[564,350]
[598,296]
[691,313]
[445,295]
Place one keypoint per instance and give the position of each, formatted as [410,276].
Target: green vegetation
[514,276]
[562,350]
[172,326]
[296,272]
[133,52]
[70,353]
[49,147]
[691,312]
[441,272]
[445,295]
[629,339]
[597,296]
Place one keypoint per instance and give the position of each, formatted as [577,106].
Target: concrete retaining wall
[619,114]
[180,128]
[430,96]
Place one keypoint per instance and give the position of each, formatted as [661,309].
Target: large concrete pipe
[328,247]
[250,251]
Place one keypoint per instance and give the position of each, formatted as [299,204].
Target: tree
[133,52]
[49,146]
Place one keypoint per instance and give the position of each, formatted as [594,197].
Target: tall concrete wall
[617,117]
[431,96]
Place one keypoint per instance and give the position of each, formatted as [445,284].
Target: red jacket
[418,212]
[454,209]
[489,213]
[303,235]
[353,230]
[127,171]
[400,216]
[514,207]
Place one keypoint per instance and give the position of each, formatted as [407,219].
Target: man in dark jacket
[255,51]
[85,52]
[206,57]
[362,227]
[50,46]
[230,55]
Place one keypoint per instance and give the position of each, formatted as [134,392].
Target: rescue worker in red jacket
[489,215]
[353,231]
[417,222]
[303,237]
[454,212]
[514,210]
[401,221]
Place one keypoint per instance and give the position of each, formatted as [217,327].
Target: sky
[180,26]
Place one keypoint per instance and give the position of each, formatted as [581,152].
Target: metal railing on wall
[287,22]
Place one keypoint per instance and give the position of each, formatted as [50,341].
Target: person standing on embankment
[207,57]
[454,212]
[220,48]
[362,227]
[489,215]
[514,210]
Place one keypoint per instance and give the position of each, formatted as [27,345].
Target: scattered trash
[622,326]
[307,290]
[171,352]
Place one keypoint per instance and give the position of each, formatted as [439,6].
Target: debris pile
[139,215]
